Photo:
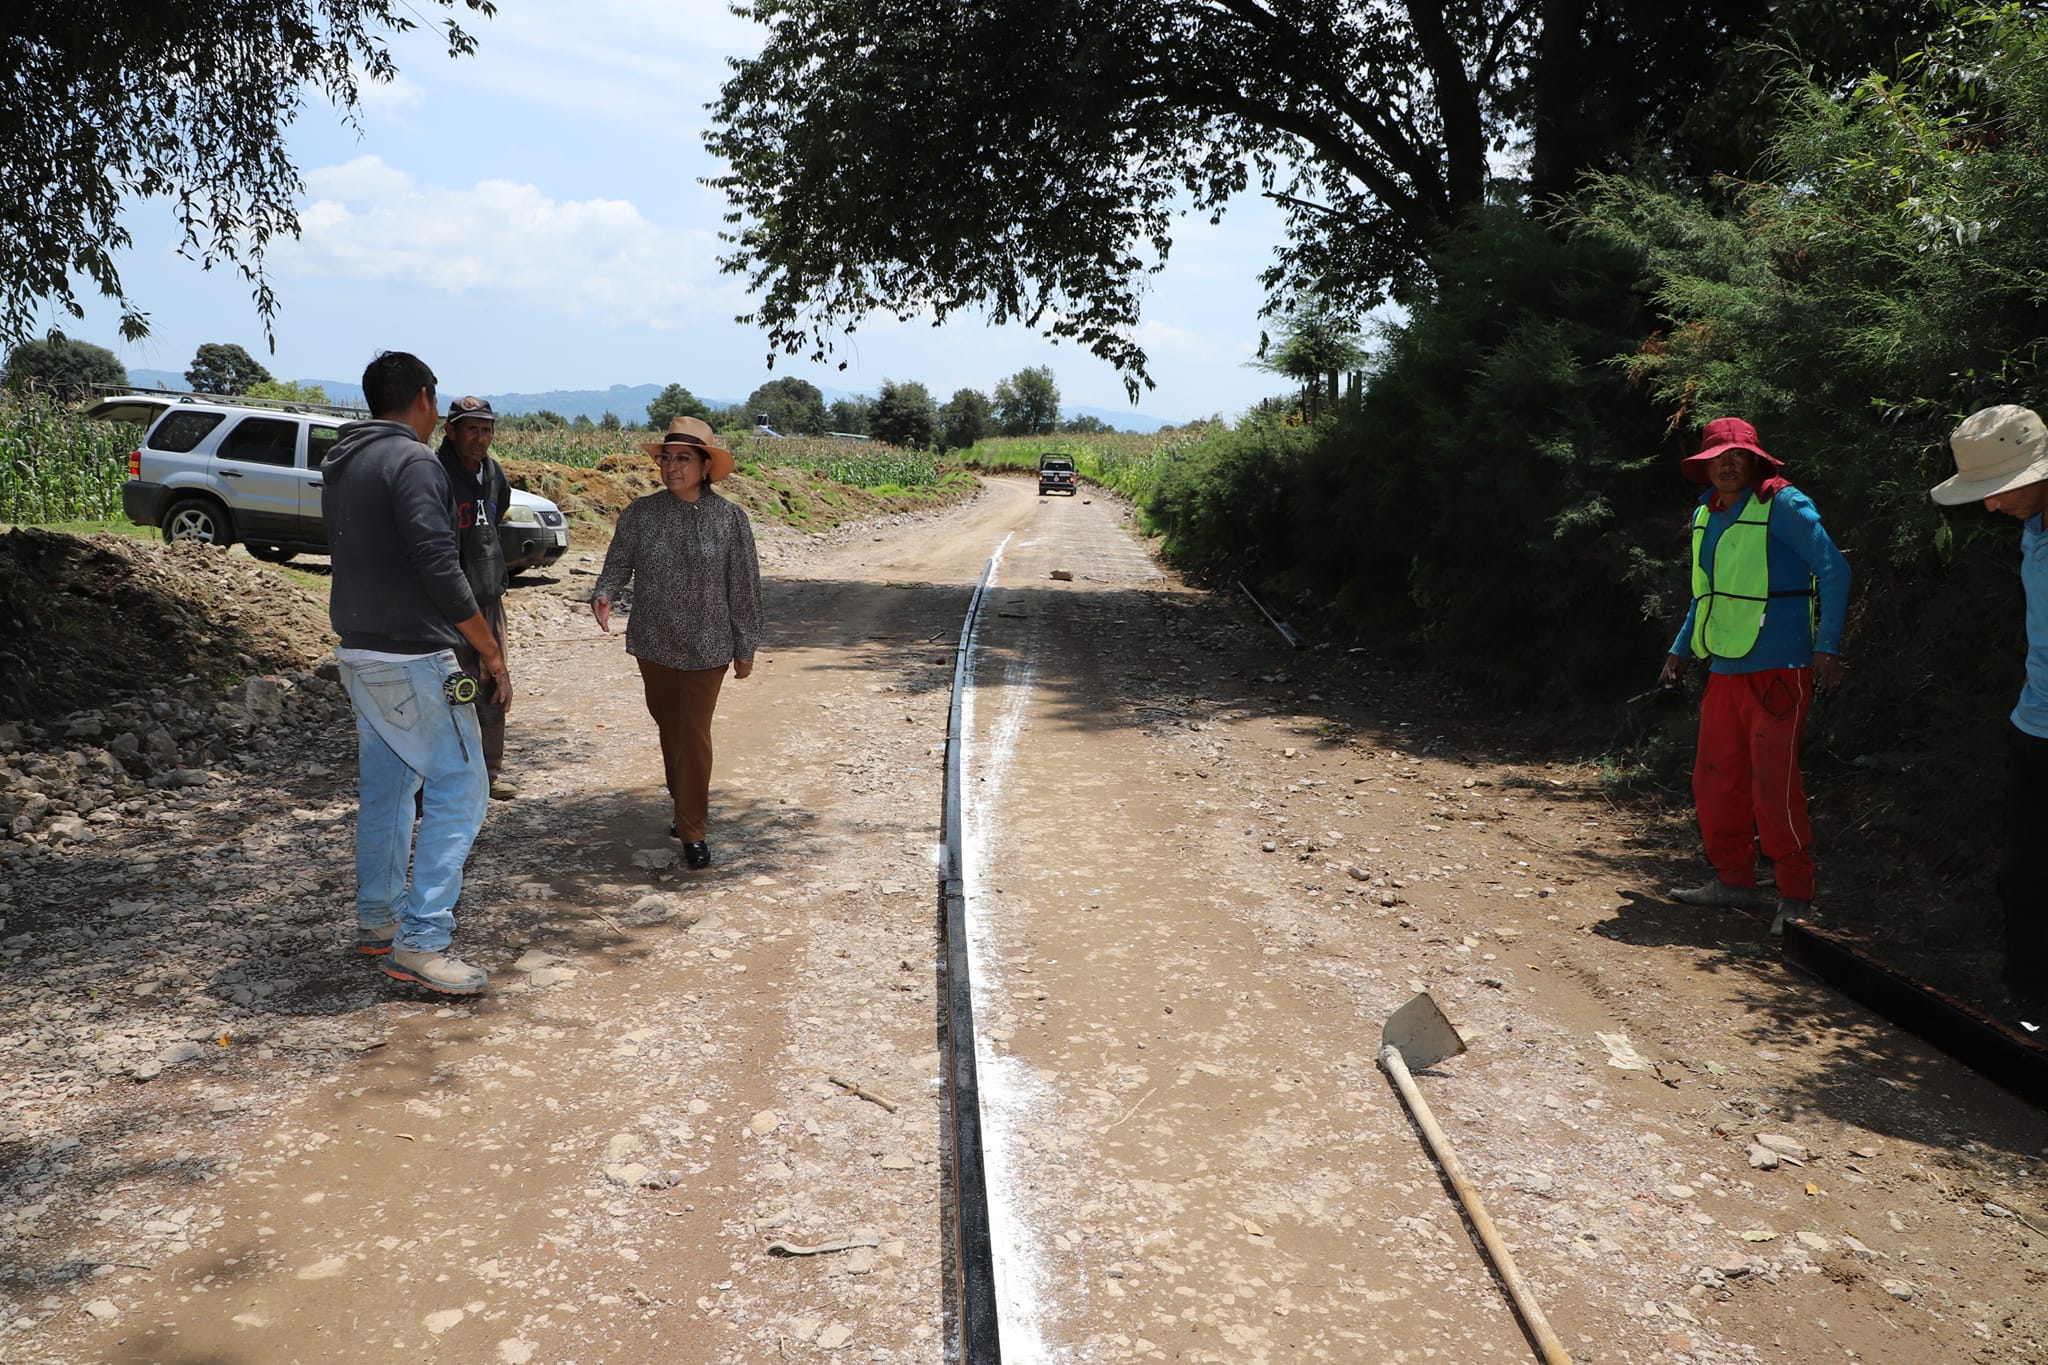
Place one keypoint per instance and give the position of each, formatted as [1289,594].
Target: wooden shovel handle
[1468,1197]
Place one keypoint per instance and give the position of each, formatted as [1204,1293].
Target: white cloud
[371,223]
[388,99]
[650,65]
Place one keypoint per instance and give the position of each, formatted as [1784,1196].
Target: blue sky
[532,218]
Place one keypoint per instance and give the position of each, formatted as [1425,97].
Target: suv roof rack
[222,400]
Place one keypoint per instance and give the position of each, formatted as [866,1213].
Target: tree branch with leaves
[178,101]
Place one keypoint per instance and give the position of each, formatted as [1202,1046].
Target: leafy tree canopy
[61,366]
[107,104]
[904,416]
[850,415]
[673,402]
[1312,344]
[966,417]
[1882,279]
[790,405]
[287,390]
[224,367]
[885,154]
[1028,402]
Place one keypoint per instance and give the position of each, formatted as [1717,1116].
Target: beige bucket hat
[694,431]
[1997,449]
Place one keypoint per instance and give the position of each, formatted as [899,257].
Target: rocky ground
[698,1117]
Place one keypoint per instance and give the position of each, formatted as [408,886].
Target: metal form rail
[974,1281]
[1990,1049]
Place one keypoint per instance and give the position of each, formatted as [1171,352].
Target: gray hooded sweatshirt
[398,582]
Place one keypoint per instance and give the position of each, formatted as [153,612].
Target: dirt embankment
[86,622]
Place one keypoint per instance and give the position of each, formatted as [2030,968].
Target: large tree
[1312,346]
[793,406]
[886,154]
[904,415]
[224,367]
[673,402]
[850,416]
[104,106]
[966,417]
[1028,402]
[61,366]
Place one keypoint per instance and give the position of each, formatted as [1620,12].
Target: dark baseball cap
[469,405]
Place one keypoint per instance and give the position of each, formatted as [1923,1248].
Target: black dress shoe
[697,856]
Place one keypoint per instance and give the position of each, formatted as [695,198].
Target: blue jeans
[407,738]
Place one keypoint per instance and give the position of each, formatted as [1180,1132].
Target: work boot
[1719,894]
[503,790]
[435,971]
[1790,909]
[376,942]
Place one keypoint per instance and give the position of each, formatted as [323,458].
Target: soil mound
[89,620]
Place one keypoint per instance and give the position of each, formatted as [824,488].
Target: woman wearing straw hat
[2002,461]
[689,555]
[1770,593]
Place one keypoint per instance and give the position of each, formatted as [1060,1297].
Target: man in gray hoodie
[400,603]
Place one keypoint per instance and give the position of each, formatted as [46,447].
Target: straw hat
[1997,449]
[1726,433]
[693,431]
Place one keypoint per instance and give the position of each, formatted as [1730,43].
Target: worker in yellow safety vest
[1769,596]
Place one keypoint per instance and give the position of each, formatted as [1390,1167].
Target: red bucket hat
[1726,433]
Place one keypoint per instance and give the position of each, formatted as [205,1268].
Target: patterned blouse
[696,580]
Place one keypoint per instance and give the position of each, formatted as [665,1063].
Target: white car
[219,470]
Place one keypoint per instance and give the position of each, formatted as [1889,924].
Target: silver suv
[220,470]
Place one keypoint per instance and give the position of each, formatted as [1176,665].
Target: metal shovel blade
[1421,1034]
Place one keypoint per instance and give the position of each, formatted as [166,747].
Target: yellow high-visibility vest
[1728,609]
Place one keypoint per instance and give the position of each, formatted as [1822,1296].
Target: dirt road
[1202,872]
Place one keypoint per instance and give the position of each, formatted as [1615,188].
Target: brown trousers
[681,702]
[490,717]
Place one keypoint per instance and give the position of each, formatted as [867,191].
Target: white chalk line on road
[1009,1096]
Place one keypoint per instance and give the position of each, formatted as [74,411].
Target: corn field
[1129,462]
[56,465]
[860,464]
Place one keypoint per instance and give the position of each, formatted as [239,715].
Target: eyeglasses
[677,458]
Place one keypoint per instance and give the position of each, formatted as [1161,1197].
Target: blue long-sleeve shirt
[2031,715]
[1798,552]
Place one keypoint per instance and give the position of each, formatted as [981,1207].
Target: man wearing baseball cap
[2002,460]
[482,494]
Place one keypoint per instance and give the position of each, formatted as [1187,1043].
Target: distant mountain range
[628,402]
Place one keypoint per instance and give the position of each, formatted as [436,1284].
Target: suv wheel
[197,519]
[271,554]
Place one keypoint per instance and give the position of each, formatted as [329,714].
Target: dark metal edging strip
[1288,633]
[1986,1047]
[974,1257]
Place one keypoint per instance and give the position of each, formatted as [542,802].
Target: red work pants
[1745,778]
[681,702]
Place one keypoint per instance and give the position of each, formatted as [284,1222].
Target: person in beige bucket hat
[2002,461]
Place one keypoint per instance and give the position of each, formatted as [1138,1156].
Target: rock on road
[1202,873]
